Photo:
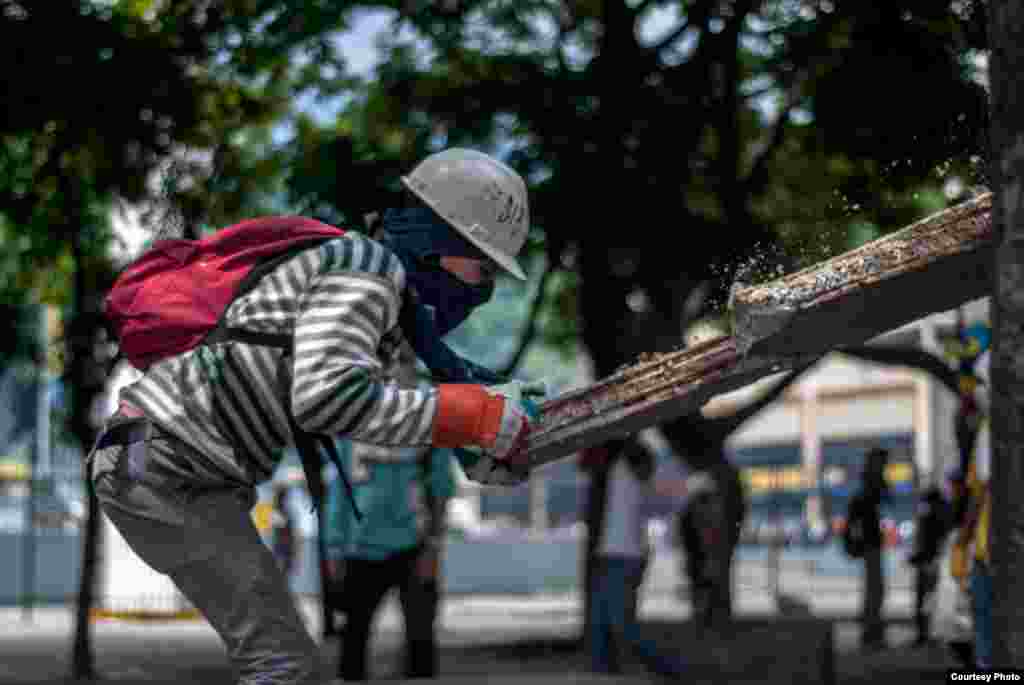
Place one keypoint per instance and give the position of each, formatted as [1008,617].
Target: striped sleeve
[338,382]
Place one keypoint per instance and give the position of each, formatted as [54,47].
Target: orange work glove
[471,415]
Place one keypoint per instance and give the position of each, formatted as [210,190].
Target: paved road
[39,651]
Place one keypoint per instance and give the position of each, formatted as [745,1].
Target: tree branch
[803,61]
[723,427]
[563,31]
[530,331]
[758,176]
[671,38]
[911,357]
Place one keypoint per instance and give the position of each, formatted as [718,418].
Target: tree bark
[603,298]
[1006,37]
[83,662]
[79,349]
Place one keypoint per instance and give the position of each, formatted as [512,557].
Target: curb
[144,616]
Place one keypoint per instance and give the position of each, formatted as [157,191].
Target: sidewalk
[532,638]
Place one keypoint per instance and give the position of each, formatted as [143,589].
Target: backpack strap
[252,279]
[224,333]
[332,453]
[306,444]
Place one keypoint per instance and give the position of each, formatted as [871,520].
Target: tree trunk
[604,314]
[1006,37]
[79,351]
[83,663]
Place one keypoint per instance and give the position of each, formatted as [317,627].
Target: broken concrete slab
[933,265]
[645,395]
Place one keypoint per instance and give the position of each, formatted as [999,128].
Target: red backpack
[173,298]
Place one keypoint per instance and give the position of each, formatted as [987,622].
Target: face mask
[419,237]
[420,328]
[451,299]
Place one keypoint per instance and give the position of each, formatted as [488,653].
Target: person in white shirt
[621,558]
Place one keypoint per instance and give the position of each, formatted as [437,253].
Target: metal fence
[472,567]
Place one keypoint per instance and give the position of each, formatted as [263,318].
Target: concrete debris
[933,265]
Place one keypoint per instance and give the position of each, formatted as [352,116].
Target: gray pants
[205,540]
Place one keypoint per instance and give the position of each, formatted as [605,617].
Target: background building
[801,456]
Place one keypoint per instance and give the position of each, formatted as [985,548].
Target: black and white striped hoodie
[228,400]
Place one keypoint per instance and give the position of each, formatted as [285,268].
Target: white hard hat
[482,198]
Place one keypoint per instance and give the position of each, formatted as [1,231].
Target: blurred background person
[933,522]
[951,620]
[977,526]
[621,557]
[692,521]
[727,509]
[865,511]
[402,495]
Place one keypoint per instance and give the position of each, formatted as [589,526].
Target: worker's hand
[518,390]
[485,470]
[495,421]
[517,419]
[529,394]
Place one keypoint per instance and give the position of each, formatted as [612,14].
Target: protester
[402,495]
[177,465]
[621,555]
[952,618]
[976,531]
[864,538]
[693,521]
[934,518]
[977,524]
[726,513]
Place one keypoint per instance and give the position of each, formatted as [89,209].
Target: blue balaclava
[419,237]
[439,301]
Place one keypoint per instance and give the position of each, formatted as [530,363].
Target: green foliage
[780,132]
[777,132]
[136,101]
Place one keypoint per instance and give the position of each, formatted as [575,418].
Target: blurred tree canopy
[130,103]
[668,144]
[127,101]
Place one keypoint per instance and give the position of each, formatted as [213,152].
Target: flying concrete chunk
[931,266]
